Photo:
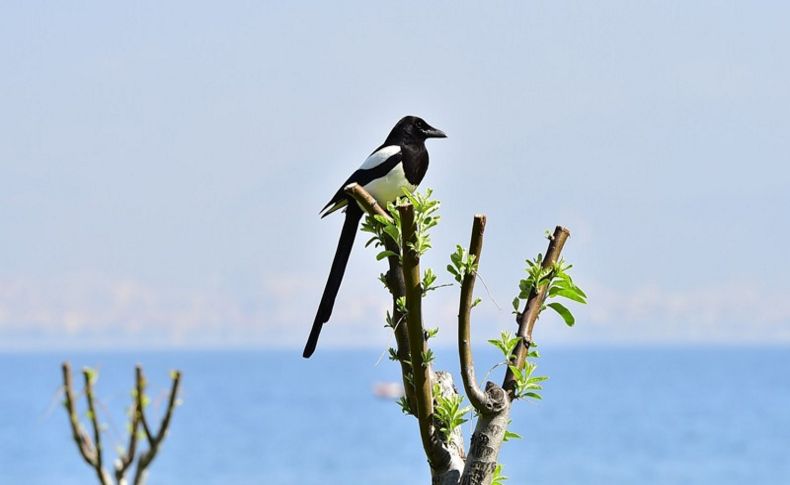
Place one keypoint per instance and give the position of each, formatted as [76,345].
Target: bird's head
[415,128]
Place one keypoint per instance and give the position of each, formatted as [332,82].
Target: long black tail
[353,215]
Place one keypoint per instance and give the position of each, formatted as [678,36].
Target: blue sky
[162,166]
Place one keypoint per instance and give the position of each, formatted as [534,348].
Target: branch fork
[91,449]
[449,464]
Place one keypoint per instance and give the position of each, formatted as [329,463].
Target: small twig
[488,292]
[476,396]
[385,352]
[527,318]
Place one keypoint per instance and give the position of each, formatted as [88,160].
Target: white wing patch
[380,156]
[389,187]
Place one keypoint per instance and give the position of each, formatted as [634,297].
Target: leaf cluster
[461,263]
[507,343]
[382,228]
[425,217]
[558,282]
[527,385]
[404,405]
[498,479]
[448,411]
[428,282]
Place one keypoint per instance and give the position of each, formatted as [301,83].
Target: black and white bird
[400,162]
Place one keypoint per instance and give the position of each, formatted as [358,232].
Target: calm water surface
[612,416]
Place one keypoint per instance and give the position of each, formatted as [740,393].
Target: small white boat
[388,390]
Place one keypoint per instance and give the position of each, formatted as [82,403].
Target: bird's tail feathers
[344,245]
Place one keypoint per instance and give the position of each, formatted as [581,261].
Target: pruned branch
[526,319]
[476,396]
[421,369]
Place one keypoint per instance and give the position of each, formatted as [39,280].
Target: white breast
[388,188]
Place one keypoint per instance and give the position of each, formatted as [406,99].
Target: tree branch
[365,200]
[526,319]
[476,396]
[397,288]
[126,459]
[81,438]
[154,441]
[139,382]
[97,465]
[421,369]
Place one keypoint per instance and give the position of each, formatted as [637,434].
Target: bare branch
[476,396]
[421,369]
[81,438]
[154,441]
[526,319]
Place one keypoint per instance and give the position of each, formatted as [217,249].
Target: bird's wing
[377,165]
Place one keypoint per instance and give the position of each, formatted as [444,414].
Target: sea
[619,415]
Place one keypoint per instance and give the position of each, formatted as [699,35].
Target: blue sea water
[608,416]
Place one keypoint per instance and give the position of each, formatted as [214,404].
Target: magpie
[401,161]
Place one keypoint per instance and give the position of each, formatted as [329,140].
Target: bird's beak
[432,132]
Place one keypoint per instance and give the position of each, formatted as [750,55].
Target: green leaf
[509,435]
[404,405]
[563,312]
[498,478]
[568,293]
[427,357]
[385,254]
[448,412]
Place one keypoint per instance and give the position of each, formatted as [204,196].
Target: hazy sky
[162,164]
